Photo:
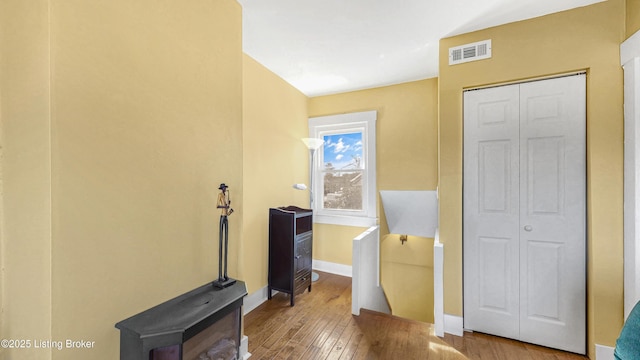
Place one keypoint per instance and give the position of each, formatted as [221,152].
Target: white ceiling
[332,46]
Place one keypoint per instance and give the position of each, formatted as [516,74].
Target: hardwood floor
[320,326]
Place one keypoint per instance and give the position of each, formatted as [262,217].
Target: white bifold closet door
[524,212]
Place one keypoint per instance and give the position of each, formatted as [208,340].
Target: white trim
[453,325]
[254,300]
[345,220]
[630,48]
[438,285]
[631,173]
[259,296]
[604,352]
[244,348]
[332,268]
[364,122]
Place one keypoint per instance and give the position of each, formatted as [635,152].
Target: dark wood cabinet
[290,250]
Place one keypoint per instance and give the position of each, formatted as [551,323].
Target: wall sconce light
[403,238]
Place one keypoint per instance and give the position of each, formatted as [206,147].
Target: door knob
[528,228]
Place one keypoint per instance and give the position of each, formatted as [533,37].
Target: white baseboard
[604,352]
[254,300]
[333,268]
[244,348]
[453,325]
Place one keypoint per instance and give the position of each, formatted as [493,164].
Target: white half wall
[366,292]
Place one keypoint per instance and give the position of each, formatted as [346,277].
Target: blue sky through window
[343,151]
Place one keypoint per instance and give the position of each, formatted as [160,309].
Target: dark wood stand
[290,250]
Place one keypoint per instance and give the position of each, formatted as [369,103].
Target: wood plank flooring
[320,326]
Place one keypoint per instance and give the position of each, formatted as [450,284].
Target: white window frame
[364,122]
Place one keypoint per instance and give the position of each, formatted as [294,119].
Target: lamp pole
[313,145]
[312,153]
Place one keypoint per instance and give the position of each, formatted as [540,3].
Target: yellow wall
[406,148]
[406,160]
[582,39]
[275,158]
[333,243]
[144,123]
[407,276]
[25,143]
[632,17]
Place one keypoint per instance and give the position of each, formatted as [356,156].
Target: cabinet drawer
[302,282]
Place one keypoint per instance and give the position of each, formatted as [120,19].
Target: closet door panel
[491,211]
[553,213]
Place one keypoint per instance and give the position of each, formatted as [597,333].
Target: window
[345,169]
[342,168]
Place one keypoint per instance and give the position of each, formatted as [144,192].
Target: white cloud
[340,147]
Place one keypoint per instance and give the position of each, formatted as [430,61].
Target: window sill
[357,221]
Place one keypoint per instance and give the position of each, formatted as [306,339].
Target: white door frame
[630,61]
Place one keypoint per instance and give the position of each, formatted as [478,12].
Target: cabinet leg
[309,287]
[292,301]
[269,293]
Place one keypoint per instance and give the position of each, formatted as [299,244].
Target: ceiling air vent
[470,52]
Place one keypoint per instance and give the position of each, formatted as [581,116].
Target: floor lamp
[312,144]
